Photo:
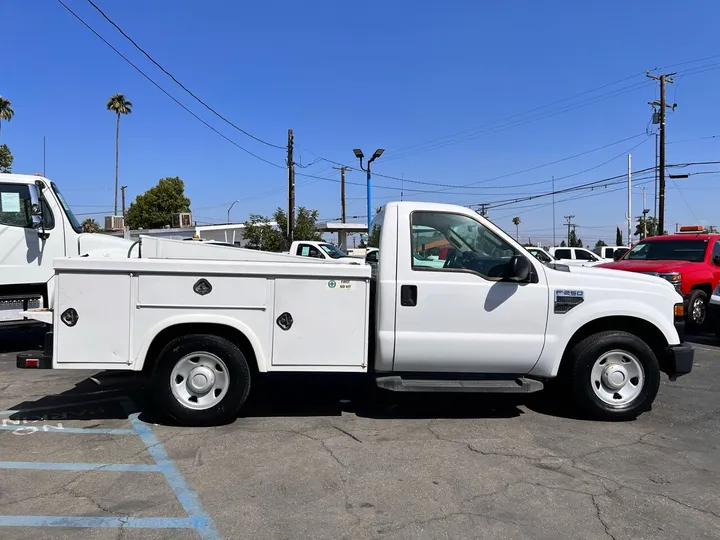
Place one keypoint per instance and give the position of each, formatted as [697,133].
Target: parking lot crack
[353,437]
[600,518]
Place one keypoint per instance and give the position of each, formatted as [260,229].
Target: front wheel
[614,375]
[201,379]
[697,310]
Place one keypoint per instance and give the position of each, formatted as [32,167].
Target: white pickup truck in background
[27,252]
[322,250]
[201,320]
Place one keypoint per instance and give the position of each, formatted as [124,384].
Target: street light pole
[359,154]
[228,213]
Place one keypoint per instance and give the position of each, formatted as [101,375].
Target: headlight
[672,277]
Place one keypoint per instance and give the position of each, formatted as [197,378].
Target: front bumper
[679,360]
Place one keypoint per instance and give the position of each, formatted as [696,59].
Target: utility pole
[664,78]
[291,188]
[569,224]
[122,190]
[554,243]
[645,213]
[482,210]
[342,190]
[629,208]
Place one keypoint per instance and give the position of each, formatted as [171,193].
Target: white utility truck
[27,252]
[202,320]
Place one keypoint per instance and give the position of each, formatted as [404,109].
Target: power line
[162,89]
[139,48]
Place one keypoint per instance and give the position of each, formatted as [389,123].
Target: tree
[651,224]
[600,243]
[563,244]
[579,243]
[89,225]
[516,222]
[711,229]
[260,234]
[572,240]
[618,237]
[6,111]
[6,159]
[154,208]
[119,105]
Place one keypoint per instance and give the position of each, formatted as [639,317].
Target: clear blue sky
[369,74]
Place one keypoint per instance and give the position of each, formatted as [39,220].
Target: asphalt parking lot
[315,458]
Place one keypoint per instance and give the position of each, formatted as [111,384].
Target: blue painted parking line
[9,425]
[90,521]
[186,496]
[107,467]
[197,518]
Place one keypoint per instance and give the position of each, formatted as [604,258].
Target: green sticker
[331,283]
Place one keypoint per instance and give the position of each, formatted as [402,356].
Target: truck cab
[689,260]
[322,250]
[28,248]
[575,256]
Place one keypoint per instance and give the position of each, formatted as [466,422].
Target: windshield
[73,220]
[332,251]
[668,250]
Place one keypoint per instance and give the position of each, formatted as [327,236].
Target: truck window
[563,254]
[668,250]
[584,255]
[306,250]
[716,251]
[333,252]
[462,242]
[608,252]
[15,205]
[71,217]
[375,229]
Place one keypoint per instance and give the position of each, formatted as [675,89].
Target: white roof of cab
[10,178]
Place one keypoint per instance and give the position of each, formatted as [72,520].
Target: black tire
[239,380]
[694,322]
[582,358]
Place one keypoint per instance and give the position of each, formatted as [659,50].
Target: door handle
[408,295]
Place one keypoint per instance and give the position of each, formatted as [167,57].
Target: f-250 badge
[565,300]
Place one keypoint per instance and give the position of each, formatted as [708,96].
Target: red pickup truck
[690,260]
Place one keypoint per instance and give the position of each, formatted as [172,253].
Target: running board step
[520,385]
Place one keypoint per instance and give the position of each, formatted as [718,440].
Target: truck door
[460,316]
[26,254]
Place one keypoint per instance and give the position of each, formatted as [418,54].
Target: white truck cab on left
[322,250]
[28,244]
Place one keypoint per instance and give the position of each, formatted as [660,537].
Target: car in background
[611,252]
[690,260]
[575,256]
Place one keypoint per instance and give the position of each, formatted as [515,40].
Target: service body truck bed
[201,319]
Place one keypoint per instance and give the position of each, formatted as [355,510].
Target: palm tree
[516,222]
[119,105]
[6,111]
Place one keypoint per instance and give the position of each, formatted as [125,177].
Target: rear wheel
[697,310]
[613,375]
[201,379]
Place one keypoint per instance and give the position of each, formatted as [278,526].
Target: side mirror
[35,208]
[716,260]
[518,268]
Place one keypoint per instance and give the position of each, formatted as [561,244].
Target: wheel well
[704,287]
[228,332]
[643,329]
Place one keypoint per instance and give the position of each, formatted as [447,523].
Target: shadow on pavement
[113,395]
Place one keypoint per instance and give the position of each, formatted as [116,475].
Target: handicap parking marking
[196,518]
